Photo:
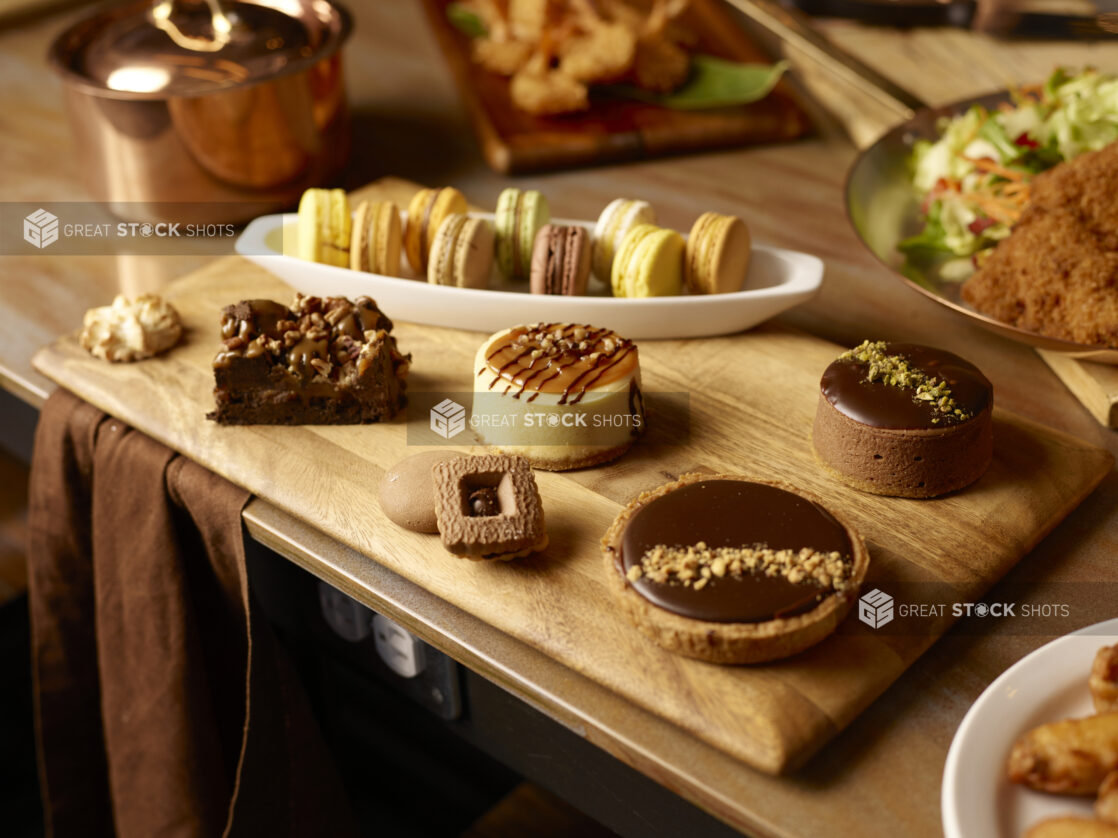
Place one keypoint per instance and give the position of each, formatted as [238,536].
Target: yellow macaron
[649,263]
[426,213]
[324,227]
[377,239]
[718,251]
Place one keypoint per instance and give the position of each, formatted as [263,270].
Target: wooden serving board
[613,129]
[752,400]
[1095,385]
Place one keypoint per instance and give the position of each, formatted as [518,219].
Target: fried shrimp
[1069,757]
[1104,680]
[555,50]
[602,51]
[660,65]
[542,91]
[1106,807]
[1072,828]
[502,57]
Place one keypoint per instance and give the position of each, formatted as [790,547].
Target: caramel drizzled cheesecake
[560,395]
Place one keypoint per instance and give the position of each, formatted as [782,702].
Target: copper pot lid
[186,48]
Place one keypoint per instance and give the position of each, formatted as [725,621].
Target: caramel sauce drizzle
[561,357]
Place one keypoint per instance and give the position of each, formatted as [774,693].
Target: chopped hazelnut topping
[697,565]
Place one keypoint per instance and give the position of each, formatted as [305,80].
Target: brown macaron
[560,260]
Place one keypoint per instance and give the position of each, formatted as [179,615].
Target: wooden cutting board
[613,129]
[1095,385]
[752,400]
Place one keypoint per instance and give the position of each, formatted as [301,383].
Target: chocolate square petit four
[488,507]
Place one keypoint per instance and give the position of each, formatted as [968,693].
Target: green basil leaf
[717,83]
[466,21]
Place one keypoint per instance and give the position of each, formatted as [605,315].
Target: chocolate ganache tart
[568,396]
[905,420]
[732,570]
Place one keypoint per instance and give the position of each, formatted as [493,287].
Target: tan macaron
[376,240]
[718,251]
[426,212]
[462,253]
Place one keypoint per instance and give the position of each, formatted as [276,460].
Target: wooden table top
[882,775]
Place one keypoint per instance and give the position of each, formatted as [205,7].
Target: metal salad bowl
[884,209]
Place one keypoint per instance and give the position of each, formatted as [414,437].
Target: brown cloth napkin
[165,705]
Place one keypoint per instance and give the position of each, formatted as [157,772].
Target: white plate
[1046,686]
[777,280]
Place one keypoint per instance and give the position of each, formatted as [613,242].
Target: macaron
[649,263]
[426,212]
[407,491]
[718,252]
[462,253]
[520,214]
[376,240]
[617,219]
[324,227]
[561,260]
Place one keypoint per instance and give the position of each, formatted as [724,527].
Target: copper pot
[198,110]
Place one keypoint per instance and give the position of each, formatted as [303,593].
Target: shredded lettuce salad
[975,178]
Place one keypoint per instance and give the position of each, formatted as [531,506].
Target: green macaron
[520,215]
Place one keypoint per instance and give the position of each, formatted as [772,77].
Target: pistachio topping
[697,565]
[896,371]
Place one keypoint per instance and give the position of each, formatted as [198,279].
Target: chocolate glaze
[881,405]
[732,513]
[484,502]
[563,369]
[250,318]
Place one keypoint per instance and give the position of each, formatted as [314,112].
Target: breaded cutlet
[1057,272]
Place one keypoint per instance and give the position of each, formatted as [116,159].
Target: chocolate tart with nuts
[731,570]
[322,361]
[904,420]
